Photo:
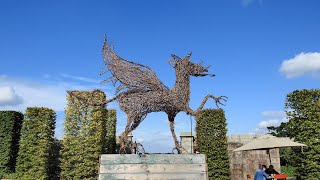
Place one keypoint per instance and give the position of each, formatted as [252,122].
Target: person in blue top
[260,174]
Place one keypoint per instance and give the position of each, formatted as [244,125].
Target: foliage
[4,175]
[84,138]
[212,140]
[280,131]
[36,144]
[303,111]
[111,123]
[10,126]
[289,170]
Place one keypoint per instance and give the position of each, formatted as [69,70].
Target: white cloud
[273,113]
[301,64]
[50,93]
[262,126]
[277,118]
[267,123]
[8,96]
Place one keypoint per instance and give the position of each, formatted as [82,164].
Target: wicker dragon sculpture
[141,92]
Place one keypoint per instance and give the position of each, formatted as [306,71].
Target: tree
[36,144]
[303,111]
[212,140]
[280,131]
[84,138]
[10,126]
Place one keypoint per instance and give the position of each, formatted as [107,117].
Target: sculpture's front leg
[191,112]
[217,99]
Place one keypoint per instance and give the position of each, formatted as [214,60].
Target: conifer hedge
[212,140]
[36,144]
[111,132]
[84,138]
[10,126]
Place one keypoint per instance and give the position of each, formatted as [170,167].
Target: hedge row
[35,157]
[212,140]
[84,138]
[10,125]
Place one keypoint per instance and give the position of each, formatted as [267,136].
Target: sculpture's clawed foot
[218,100]
[123,147]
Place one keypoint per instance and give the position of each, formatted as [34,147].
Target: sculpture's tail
[105,102]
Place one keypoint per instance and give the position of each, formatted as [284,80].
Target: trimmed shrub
[10,126]
[84,138]
[36,144]
[212,140]
[111,123]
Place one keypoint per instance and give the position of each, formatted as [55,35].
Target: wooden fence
[153,166]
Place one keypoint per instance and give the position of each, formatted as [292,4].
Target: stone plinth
[186,141]
[153,166]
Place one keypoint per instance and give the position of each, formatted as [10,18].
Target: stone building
[243,164]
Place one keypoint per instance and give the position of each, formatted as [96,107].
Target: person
[271,170]
[261,174]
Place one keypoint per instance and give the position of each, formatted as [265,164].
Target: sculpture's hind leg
[176,142]
[124,136]
[129,128]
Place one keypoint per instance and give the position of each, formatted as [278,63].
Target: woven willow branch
[140,91]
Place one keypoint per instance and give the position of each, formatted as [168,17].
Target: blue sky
[260,50]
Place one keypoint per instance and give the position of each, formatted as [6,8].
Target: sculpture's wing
[132,76]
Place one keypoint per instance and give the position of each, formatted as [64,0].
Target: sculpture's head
[193,69]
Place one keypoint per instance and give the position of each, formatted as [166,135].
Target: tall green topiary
[10,126]
[212,140]
[84,138]
[111,123]
[303,111]
[36,144]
